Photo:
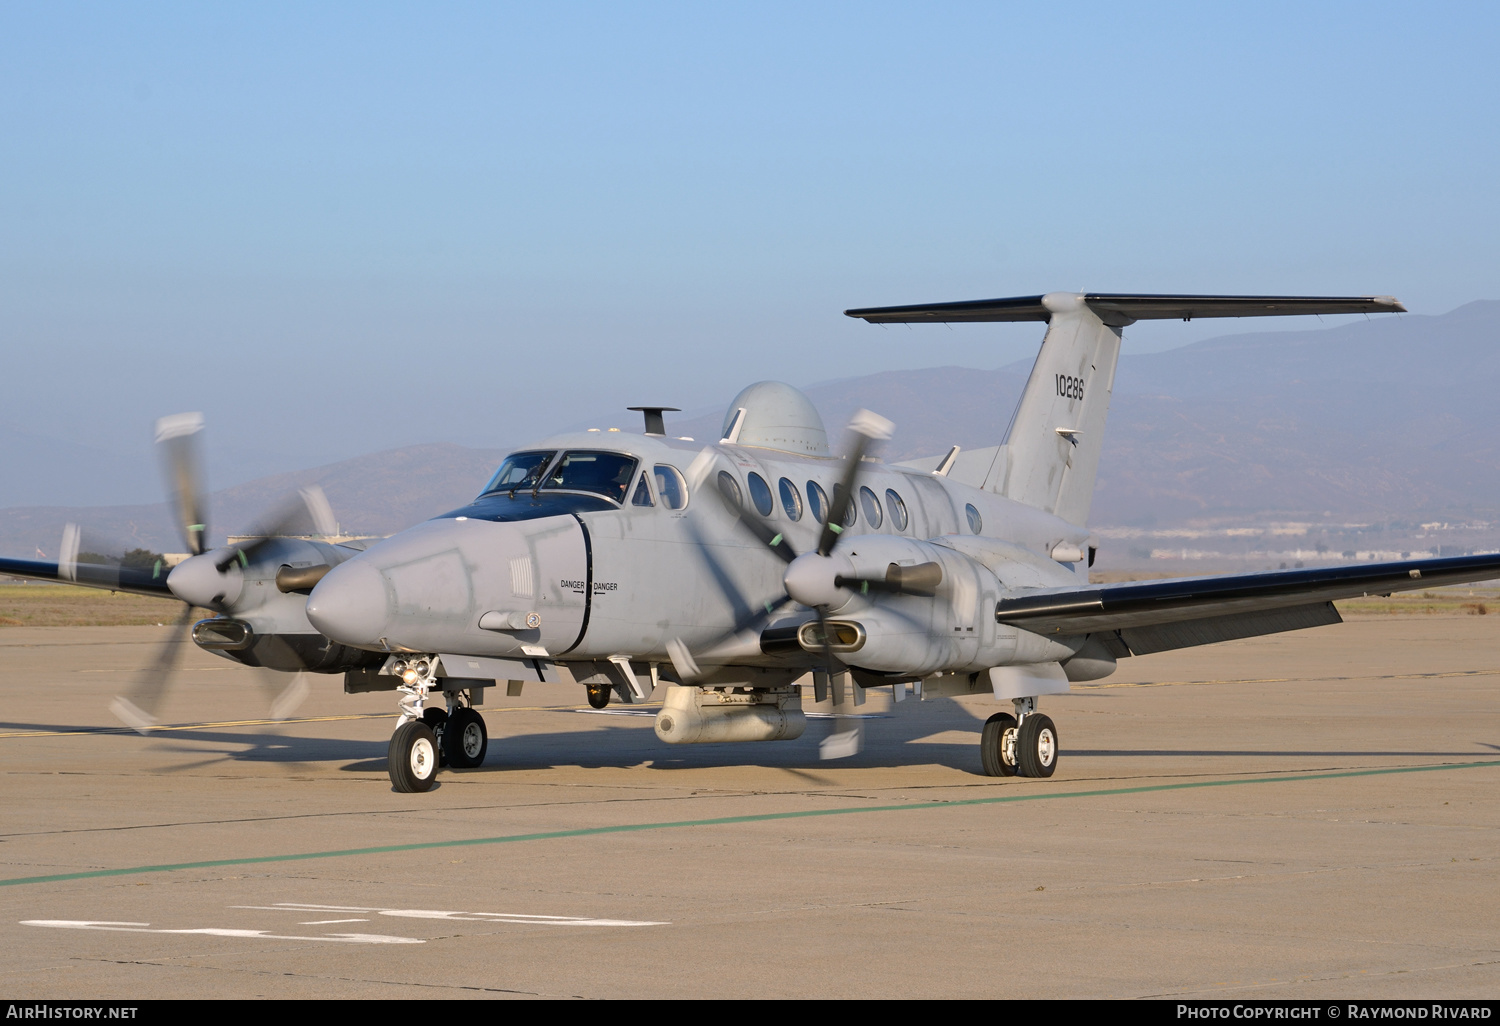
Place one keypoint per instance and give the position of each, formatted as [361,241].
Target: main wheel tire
[598,695]
[1036,746]
[437,719]
[992,753]
[465,740]
[412,759]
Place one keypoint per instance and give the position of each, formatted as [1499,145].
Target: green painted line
[764,817]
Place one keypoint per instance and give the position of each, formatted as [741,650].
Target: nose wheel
[412,758]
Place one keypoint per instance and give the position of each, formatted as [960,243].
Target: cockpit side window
[642,494]
[671,486]
[584,470]
[519,470]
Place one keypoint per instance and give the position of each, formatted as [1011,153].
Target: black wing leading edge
[136,580]
[1140,617]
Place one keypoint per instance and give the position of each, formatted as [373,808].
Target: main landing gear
[428,738]
[1024,744]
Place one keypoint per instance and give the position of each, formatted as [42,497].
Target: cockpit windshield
[583,470]
[520,470]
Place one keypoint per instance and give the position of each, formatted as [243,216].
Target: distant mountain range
[1392,418]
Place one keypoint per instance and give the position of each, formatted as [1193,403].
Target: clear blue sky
[342,227]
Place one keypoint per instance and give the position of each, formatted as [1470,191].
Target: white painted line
[339,938]
[326,922]
[472,917]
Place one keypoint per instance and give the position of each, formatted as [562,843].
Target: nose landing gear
[428,738]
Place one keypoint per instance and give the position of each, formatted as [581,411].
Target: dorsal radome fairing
[777,416]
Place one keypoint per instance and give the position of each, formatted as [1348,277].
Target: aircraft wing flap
[1141,604]
[136,580]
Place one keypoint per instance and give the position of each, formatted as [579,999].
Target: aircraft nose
[349,605]
[199,581]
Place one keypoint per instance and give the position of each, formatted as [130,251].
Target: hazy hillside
[376,494]
[1383,419]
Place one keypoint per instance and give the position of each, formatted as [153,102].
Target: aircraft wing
[1139,617]
[1123,308]
[136,580]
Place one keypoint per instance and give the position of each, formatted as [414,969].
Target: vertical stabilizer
[1052,450]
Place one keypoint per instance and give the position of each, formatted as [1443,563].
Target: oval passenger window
[791,500]
[760,494]
[871,506]
[730,488]
[896,508]
[817,501]
[976,524]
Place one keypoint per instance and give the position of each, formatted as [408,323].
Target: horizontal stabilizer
[1119,309]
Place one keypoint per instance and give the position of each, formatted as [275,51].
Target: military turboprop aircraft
[727,573]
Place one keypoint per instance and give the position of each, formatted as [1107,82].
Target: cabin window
[976,523]
[671,487]
[791,500]
[817,501]
[604,473]
[871,505]
[519,469]
[642,494]
[730,489]
[896,508]
[760,494]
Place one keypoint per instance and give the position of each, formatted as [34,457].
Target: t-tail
[1050,455]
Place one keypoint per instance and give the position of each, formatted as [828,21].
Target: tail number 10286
[1069,387]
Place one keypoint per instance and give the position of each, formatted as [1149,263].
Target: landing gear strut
[1024,744]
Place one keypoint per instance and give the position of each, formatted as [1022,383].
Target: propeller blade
[683,660]
[847,736]
[764,532]
[865,427]
[182,463]
[310,501]
[282,696]
[138,709]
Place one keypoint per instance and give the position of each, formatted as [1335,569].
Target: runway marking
[211,931]
[473,917]
[765,817]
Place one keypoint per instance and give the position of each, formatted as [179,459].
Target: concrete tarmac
[1310,815]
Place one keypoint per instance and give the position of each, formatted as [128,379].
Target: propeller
[206,579]
[814,579]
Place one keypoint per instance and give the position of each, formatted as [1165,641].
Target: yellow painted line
[262,722]
[1284,680]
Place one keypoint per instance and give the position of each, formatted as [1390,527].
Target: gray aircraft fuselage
[614,578]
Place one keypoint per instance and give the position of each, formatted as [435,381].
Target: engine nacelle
[699,716]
